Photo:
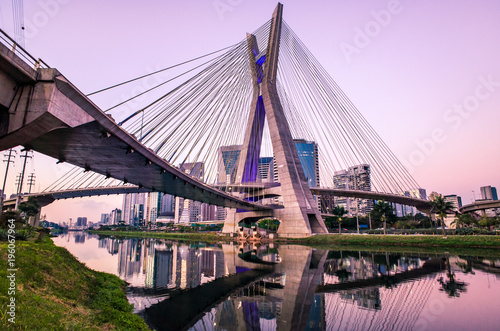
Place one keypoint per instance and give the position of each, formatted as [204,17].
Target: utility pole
[31,181]
[20,186]
[5,178]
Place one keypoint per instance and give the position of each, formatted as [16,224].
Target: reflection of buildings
[80,238]
[164,266]
[110,244]
[130,258]
[271,302]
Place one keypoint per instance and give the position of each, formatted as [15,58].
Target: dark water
[268,287]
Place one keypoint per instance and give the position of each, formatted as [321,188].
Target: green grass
[192,236]
[404,240]
[57,292]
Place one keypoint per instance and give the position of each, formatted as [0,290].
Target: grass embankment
[404,240]
[335,239]
[194,236]
[57,292]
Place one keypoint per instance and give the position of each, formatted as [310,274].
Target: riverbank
[191,236]
[431,241]
[57,292]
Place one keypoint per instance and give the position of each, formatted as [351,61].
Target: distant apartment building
[133,208]
[104,218]
[456,201]
[489,193]
[188,210]
[115,216]
[403,210]
[81,221]
[354,178]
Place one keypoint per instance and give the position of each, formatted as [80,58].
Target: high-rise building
[104,218]
[355,178]
[308,156]
[489,193]
[115,216]
[187,210]
[341,182]
[153,207]
[403,210]
[129,206]
[81,221]
[360,179]
[456,201]
[228,163]
[137,215]
[265,169]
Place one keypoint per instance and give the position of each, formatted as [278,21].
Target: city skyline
[404,79]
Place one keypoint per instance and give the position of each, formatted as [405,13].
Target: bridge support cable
[315,106]
[157,71]
[196,122]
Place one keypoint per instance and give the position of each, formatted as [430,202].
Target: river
[202,286]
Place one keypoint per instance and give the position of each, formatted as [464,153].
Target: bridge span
[479,206]
[45,198]
[44,112]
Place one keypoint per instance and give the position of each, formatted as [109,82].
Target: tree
[487,222]
[464,220]
[383,210]
[441,207]
[338,211]
[30,208]
[270,224]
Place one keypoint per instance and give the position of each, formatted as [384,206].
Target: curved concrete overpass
[480,205]
[422,205]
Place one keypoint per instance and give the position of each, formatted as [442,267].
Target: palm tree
[339,212]
[384,209]
[441,207]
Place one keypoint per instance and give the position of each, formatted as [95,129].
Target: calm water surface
[268,287]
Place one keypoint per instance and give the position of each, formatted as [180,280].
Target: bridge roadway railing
[6,40]
[61,122]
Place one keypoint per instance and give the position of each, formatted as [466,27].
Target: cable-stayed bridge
[234,132]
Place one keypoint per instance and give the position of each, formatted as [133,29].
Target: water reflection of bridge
[297,288]
[296,293]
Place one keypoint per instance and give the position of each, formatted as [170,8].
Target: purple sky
[426,75]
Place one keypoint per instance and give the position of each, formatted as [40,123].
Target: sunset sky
[425,74]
